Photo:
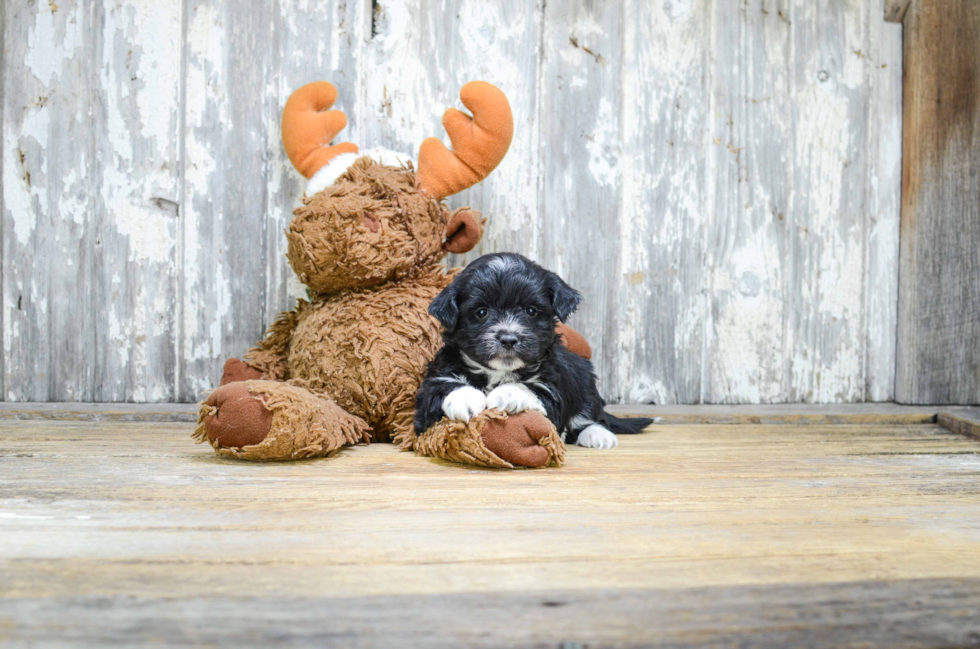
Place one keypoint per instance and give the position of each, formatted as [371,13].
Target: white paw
[595,436]
[463,403]
[513,398]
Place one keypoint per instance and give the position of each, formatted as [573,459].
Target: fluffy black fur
[499,317]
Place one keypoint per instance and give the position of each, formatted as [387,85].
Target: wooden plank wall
[720,179]
[939,303]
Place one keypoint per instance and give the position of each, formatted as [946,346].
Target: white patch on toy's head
[329,174]
[339,164]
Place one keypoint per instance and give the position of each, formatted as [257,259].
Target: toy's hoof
[236,370]
[241,418]
[574,341]
[515,439]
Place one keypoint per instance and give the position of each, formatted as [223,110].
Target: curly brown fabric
[236,370]
[269,356]
[464,443]
[343,367]
[332,248]
[368,350]
[303,425]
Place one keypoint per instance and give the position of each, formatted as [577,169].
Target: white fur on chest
[494,377]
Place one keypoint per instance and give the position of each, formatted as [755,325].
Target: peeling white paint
[23,195]
[32,517]
[489,34]
[719,147]
[206,293]
[885,144]
[603,145]
[748,324]
[54,38]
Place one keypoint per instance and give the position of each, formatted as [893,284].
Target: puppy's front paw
[463,403]
[595,436]
[514,398]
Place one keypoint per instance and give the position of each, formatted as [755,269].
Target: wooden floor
[689,535]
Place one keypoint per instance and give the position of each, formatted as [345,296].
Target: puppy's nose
[507,339]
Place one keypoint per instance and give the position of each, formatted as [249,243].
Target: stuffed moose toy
[343,367]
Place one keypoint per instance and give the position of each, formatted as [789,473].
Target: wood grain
[403,97]
[90,190]
[783,414]
[884,194]
[657,145]
[581,155]
[964,423]
[939,299]
[242,62]
[895,10]
[798,305]
[792,414]
[923,613]
[691,533]
[654,322]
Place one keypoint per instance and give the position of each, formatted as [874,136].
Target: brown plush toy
[343,368]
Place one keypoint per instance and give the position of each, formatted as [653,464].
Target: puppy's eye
[482,312]
[531,312]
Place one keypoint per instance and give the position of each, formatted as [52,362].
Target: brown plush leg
[401,423]
[523,439]
[493,439]
[574,341]
[233,416]
[236,370]
[268,420]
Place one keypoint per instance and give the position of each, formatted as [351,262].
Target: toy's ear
[444,307]
[463,232]
[564,298]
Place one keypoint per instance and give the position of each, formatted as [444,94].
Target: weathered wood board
[895,10]
[800,234]
[721,180]
[939,304]
[243,59]
[695,535]
[90,200]
[784,414]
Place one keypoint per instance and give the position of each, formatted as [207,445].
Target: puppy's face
[502,309]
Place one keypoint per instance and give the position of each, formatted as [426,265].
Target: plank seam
[735,415]
[959,425]
[181,203]
[710,171]
[4,7]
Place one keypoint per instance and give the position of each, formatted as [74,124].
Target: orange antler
[308,127]
[479,142]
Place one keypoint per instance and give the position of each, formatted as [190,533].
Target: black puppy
[502,352]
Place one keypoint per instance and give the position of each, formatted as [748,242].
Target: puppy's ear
[564,298]
[444,307]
